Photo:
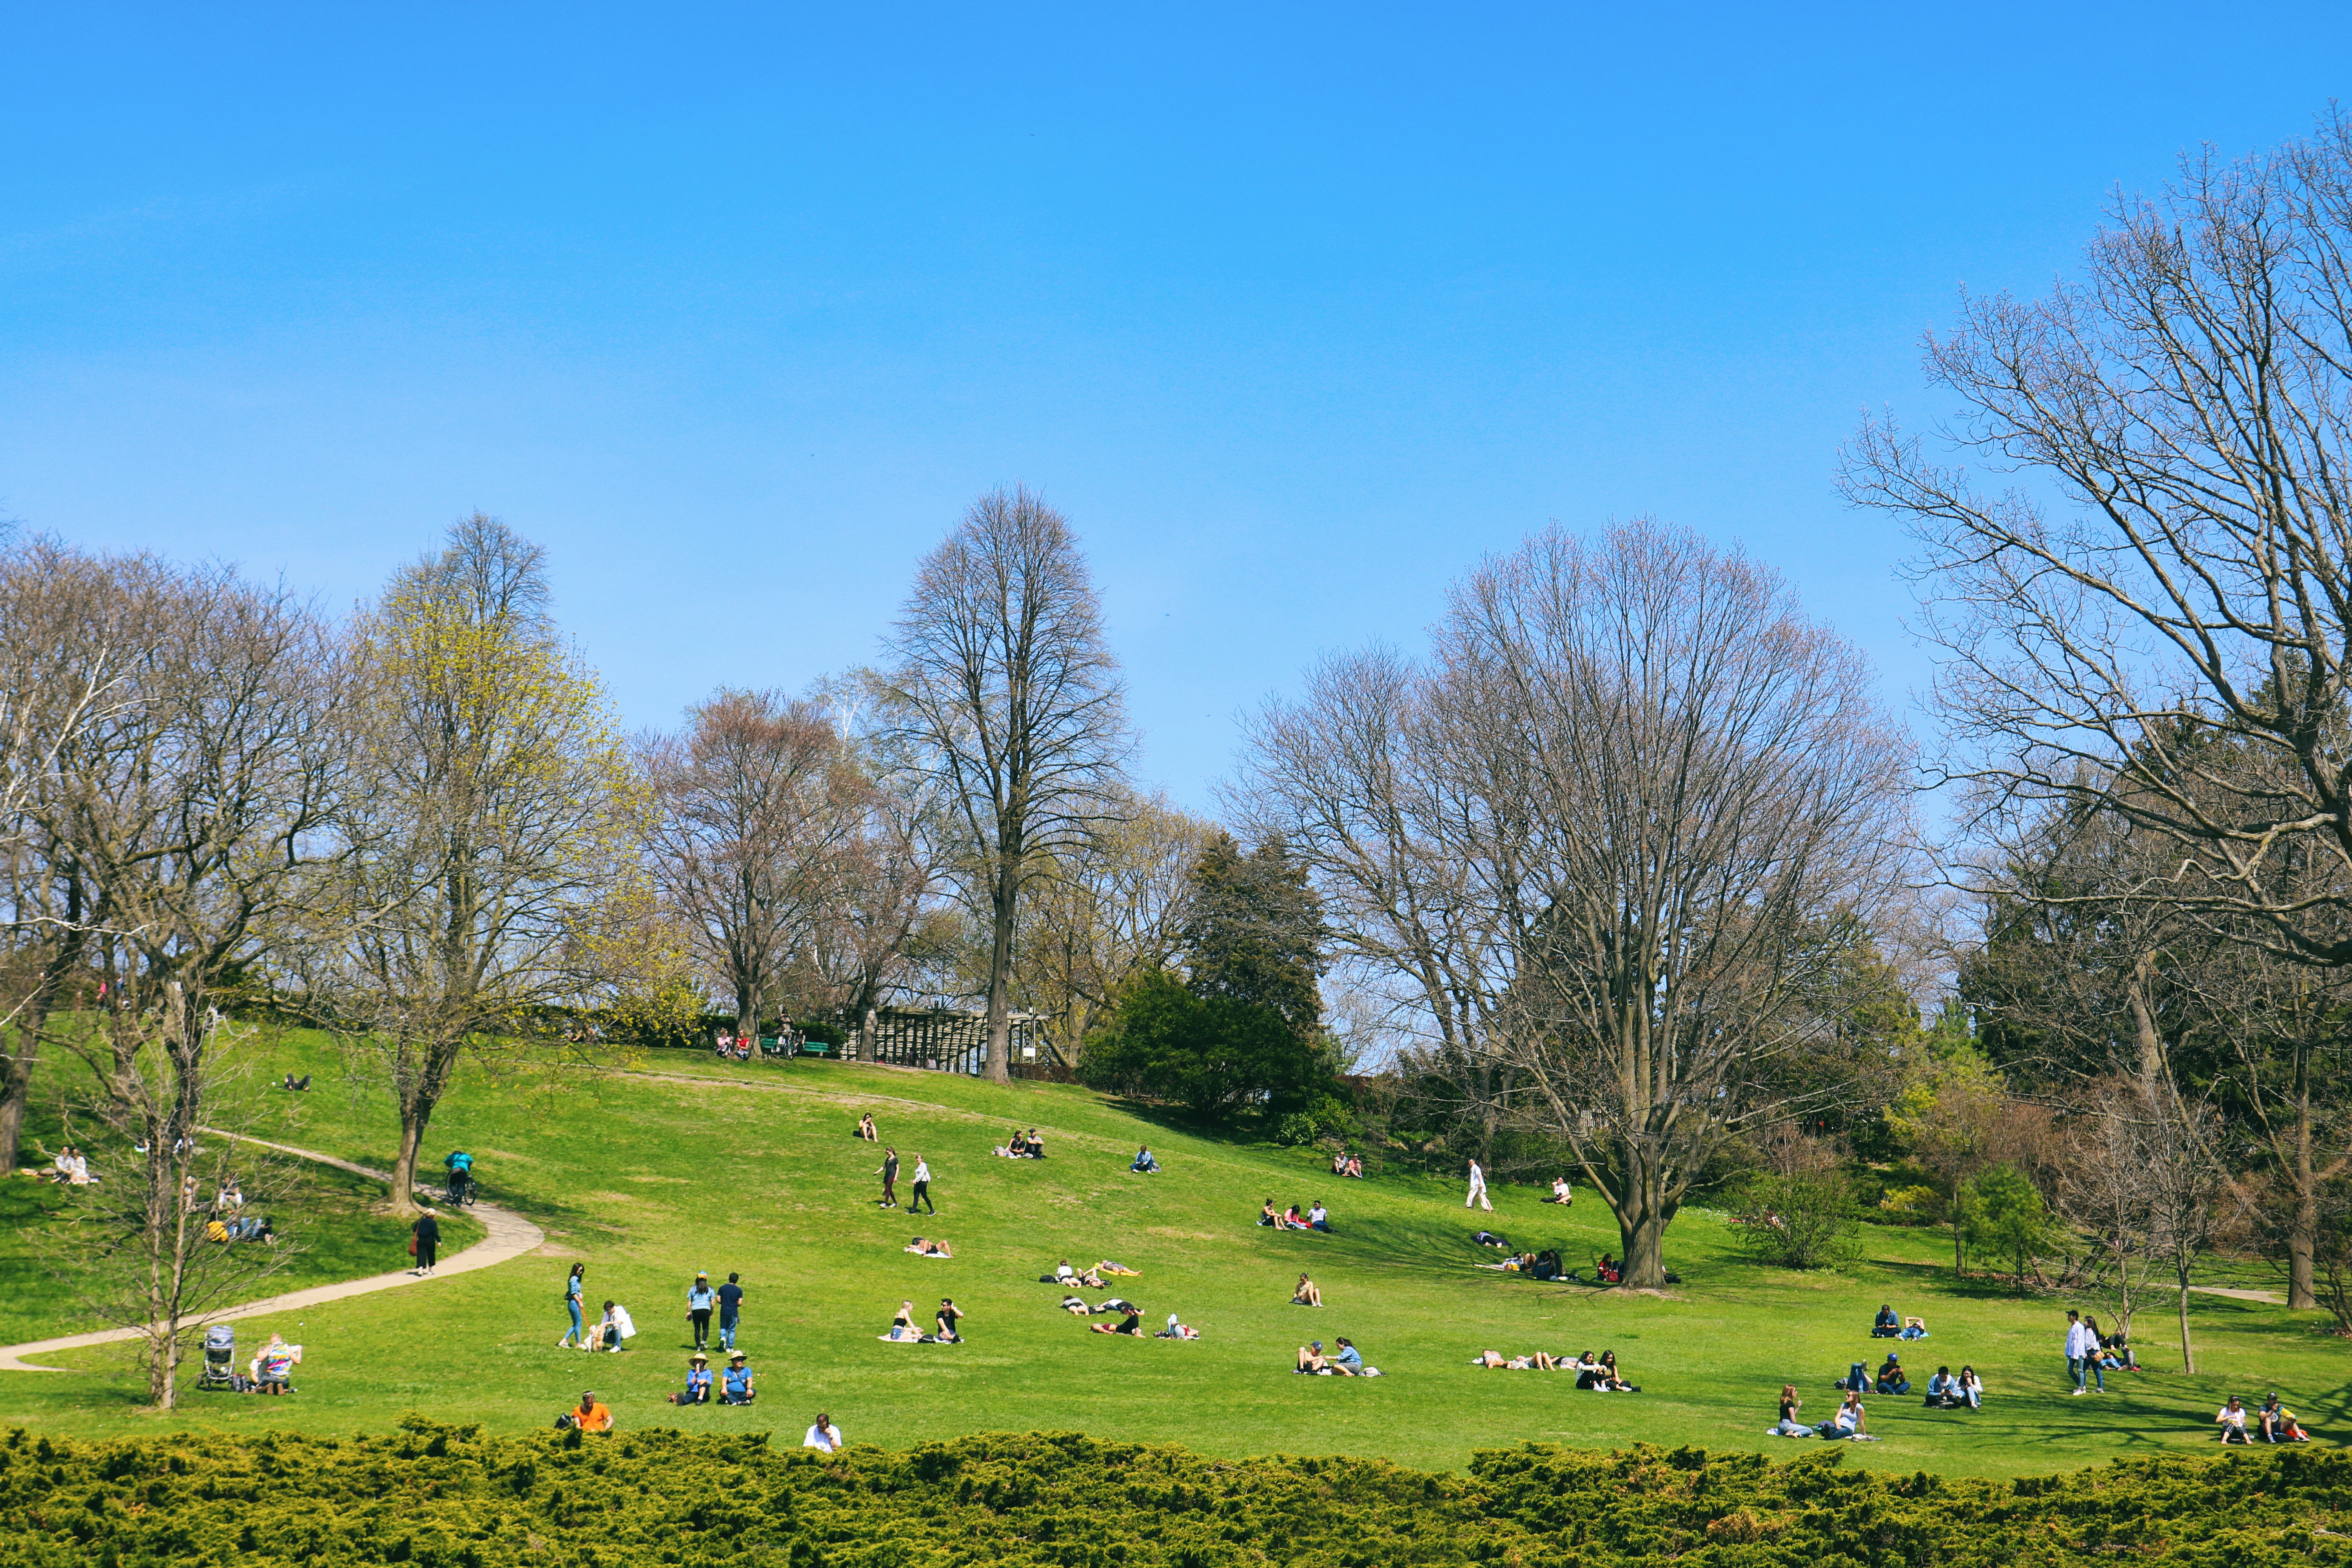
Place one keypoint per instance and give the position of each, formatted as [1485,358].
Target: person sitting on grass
[606,1335]
[1913,1328]
[1267,1218]
[1891,1379]
[1942,1390]
[273,1369]
[2278,1424]
[592,1414]
[865,1129]
[929,1248]
[1605,1269]
[1176,1330]
[1292,1219]
[824,1436]
[1851,1420]
[735,1384]
[1013,1148]
[1587,1369]
[1346,1362]
[2232,1419]
[1355,1167]
[1790,1427]
[1886,1325]
[902,1327]
[1561,1193]
[1144,1163]
[1036,1146]
[697,1382]
[1971,1387]
[1132,1324]
[1612,1380]
[1312,1360]
[1319,1218]
[947,1317]
[1309,1294]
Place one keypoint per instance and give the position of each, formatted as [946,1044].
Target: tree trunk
[2187,1351]
[1000,978]
[2303,1227]
[416,1113]
[1642,1215]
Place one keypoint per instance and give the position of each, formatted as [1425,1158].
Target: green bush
[448,1497]
[1295,1130]
[1803,1219]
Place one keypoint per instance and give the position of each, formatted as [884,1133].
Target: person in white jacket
[1477,1189]
[2082,1353]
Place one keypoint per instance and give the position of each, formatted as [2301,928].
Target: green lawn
[753,1168]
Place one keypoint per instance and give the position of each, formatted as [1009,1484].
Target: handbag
[412,1244]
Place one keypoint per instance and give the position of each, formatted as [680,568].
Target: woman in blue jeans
[576,1336]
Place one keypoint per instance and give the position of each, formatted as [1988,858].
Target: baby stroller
[220,1358]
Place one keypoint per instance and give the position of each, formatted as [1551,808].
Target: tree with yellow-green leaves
[492,888]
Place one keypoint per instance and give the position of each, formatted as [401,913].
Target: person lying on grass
[1534,1360]
[1176,1330]
[1913,1328]
[1309,1294]
[1066,1276]
[1076,1306]
[929,1248]
[1108,1266]
[1132,1324]
[1115,1304]
[697,1382]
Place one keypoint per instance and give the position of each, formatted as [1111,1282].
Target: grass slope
[698,1164]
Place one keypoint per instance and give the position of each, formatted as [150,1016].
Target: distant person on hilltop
[1477,1189]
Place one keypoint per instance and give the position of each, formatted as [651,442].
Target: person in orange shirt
[592,1416]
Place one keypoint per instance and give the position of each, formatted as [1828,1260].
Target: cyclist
[461,1176]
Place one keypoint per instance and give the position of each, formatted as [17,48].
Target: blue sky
[1296,311]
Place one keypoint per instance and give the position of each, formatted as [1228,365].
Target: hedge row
[437,1495]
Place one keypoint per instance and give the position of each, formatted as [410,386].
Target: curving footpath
[510,1237]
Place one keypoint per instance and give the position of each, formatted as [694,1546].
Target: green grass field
[693,1164]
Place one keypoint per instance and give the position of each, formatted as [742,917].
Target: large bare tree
[2147,609]
[757,804]
[1001,681]
[1619,832]
[496,817]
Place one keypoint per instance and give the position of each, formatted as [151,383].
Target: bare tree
[2155,617]
[151,1246]
[1001,680]
[757,805]
[1116,910]
[497,813]
[1614,834]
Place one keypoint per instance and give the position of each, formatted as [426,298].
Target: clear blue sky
[1297,310]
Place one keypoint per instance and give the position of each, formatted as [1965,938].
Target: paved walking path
[510,1235]
[2267,1297]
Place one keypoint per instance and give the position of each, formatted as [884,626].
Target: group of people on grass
[919,1201]
[1600,1373]
[1316,1219]
[1020,1145]
[1888,1326]
[904,1330]
[1346,1165]
[2274,1423]
[1342,1361]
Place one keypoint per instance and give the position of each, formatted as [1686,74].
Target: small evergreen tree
[2001,1210]
[1254,932]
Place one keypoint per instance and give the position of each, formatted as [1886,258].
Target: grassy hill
[698,1164]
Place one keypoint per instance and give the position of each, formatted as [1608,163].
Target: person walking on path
[889,1174]
[1477,1189]
[700,1301]
[731,1303]
[426,1236]
[576,1336]
[922,1188]
[2082,1353]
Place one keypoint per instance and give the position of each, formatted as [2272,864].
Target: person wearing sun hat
[700,1301]
[697,1382]
[736,1384]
